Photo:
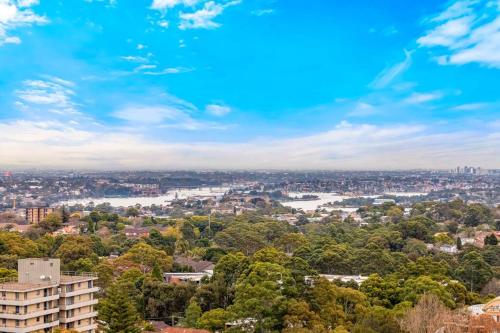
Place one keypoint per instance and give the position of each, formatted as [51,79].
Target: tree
[490,240]
[145,256]
[118,311]
[290,242]
[7,273]
[377,320]
[259,295]
[132,211]
[474,271]
[213,320]
[429,316]
[193,314]
[459,243]
[157,272]
[476,214]
[242,237]
[64,215]
[51,223]
[300,316]
[74,248]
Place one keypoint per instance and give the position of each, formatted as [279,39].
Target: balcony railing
[86,274]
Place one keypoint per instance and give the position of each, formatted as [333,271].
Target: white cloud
[471,106]
[362,109]
[168,71]
[217,109]
[134,58]
[466,32]
[204,17]
[457,9]
[263,12]
[143,67]
[345,146]
[172,111]
[52,94]
[419,98]
[388,75]
[27,3]
[111,3]
[163,116]
[163,23]
[448,33]
[15,15]
[155,114]
[140,46]
[166,4]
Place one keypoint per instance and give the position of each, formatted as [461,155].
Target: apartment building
[43,298]
[35,215]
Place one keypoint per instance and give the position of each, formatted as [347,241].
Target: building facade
[42,298]
[35,215]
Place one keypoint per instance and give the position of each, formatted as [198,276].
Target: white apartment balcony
[22,302]
[76,305]
[23,316]
[34,328]
[78,317]
[65,293]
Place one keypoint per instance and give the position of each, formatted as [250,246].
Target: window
[17,322]
[37,319]
[90,284]
[79,284]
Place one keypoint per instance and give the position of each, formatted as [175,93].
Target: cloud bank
[55,144]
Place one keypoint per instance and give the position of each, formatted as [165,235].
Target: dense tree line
[259,281]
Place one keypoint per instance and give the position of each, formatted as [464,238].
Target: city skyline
[268,84]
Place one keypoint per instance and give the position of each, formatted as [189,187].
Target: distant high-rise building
[35,215]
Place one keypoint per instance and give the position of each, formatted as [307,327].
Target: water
[332,197]
[312,204]
[148,201]
[406,194]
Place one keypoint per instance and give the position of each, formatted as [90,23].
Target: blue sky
[230,84]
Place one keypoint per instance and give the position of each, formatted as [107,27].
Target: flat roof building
[43,298]
[35,215]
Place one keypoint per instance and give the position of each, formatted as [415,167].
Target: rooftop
[12,285]
[68,277]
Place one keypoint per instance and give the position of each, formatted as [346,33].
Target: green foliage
[7,273]
[213,320]
[51,223]
[261,267]
[118,311]
[491,240]
[157,272]
[193,314]
[145,256]
[474,270]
